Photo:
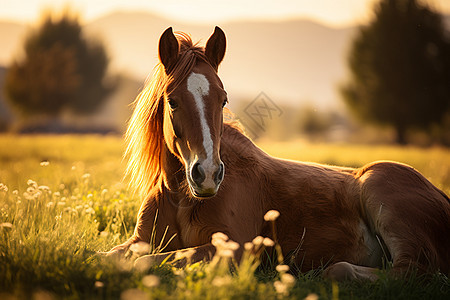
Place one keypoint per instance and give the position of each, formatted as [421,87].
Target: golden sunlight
[331,12]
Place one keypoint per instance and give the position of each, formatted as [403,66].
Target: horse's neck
[238,150]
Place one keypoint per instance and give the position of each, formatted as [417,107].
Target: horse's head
[193,121]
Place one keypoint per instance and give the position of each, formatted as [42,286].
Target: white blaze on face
[198,86]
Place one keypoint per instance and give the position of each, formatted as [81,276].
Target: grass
[55,216]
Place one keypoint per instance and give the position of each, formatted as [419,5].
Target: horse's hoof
[343,271]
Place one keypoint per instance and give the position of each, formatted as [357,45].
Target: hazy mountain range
[296,60]
[293,61]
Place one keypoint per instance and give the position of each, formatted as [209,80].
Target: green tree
[60,69]
[400,68]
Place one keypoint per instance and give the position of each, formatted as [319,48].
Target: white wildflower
[271,215]
[218,243]
[285,284]
[150,281]
[232,245]
[67,209]
[6,225]
[99,284]
[44,188]
[37,194]
[185,254]
[219,240]
[44,163]
[280,287]
[32,183]
[268,242]
[288,279]
[3,187]
[225,253]
[220,236]
[282,268]
[257,241]
[140,248]
[248,246]
[90,211]
[133,294]
[221,281]
[312,297]
[178,272]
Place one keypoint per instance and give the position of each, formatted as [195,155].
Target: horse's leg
[142,231]
[410,215]
[342,271]
[179,257]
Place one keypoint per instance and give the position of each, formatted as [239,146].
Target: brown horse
[201,176]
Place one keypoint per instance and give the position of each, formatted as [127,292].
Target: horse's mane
[144,135]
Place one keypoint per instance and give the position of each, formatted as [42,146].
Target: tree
[400,68]
[60,69]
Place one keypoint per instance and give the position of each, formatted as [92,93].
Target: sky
[332,12]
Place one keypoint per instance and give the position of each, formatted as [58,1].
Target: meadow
[63,199]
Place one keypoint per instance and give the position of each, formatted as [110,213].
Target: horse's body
[347,218]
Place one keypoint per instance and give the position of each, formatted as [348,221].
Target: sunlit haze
[331,12]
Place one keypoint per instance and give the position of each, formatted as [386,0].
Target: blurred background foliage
[400,69]
[60,70]
[397,87]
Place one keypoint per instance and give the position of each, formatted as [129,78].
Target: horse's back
[411,214]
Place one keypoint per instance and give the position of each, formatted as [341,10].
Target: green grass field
[62,199]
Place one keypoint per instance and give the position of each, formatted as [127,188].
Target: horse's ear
[168,49]
[215,47]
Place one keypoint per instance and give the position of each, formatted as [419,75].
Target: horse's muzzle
[205,178]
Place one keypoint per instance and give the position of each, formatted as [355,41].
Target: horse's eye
[172,104]
[224,103]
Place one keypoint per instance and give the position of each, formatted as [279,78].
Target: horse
[199,175]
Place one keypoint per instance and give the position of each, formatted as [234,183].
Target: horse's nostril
[219,175]
[197,173]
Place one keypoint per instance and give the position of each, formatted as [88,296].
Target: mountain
[294,62]
[291,61]
[11,36]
